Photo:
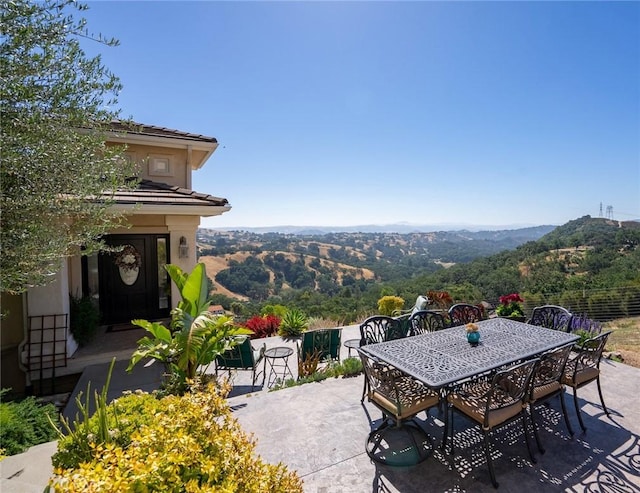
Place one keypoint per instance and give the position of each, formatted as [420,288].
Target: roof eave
[175,210]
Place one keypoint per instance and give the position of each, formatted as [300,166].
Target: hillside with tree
[588,264]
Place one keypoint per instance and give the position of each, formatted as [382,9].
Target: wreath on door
[128,258]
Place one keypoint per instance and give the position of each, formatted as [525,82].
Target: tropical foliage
[196,336]
[294,322]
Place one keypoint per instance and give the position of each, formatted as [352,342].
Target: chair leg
[535,431]
[606,411]
[526,435]
[575,402]
[487,452]
[566,415]
[364,389]
[445,433]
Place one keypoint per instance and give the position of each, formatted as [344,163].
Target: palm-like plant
[196,336]
[294,322]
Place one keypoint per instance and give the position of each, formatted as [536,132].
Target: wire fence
[597,304]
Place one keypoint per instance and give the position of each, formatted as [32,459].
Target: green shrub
[84,319]
[25,423]
[351,367]
[348,368]
[178,443]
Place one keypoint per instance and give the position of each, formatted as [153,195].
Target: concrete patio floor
[320,429]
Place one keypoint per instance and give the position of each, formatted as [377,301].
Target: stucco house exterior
[163,213]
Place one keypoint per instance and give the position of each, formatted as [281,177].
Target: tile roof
[154,193]
[154,131]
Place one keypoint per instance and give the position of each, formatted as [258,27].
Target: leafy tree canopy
[56,104]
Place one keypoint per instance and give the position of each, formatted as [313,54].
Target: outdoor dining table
[442,358]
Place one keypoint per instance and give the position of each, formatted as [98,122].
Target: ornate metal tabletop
[441,358]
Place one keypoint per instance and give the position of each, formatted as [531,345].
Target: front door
[133,282]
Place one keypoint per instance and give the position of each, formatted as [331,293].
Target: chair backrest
[240,356]
[464,313]
[325,343]
[424,321]
[588,358]
[551,367]
[509,388]
[379,376]
[552,317]
[380,328]
[393,391]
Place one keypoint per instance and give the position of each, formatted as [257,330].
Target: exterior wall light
[183,248]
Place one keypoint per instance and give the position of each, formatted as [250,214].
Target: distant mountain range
[401,228]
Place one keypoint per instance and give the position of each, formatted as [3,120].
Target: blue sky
[352,113]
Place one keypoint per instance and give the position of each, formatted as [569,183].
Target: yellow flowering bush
[387,305]
[192,443]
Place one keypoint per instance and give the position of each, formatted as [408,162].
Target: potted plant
[473,336]
[510,307]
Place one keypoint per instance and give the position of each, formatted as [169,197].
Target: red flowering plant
[510,306]
[266,326]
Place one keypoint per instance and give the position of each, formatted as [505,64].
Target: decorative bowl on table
[473,336]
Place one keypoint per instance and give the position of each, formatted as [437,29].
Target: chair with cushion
[492,403]
[398,440]
[379,328]
[583,368]
[424,321]
[318,346]
[552,317]
[547,383]
[464,313]
[242,357]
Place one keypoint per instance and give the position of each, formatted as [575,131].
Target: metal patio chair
[243,357]
[464,313]
[584,368]
[400,398]
[492,403]
[552,317]
[424,321]
[379,328]
[319,346]
[547,383]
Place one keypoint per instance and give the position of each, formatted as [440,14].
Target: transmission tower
[600,210]
[609,212]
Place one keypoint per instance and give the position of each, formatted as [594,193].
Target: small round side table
[351,344]
[278,358]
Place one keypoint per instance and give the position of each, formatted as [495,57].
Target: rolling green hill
[587,263]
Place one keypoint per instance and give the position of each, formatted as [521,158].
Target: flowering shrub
[510,306]
[387,305]
[188,443]
[266,326]
[584,327]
